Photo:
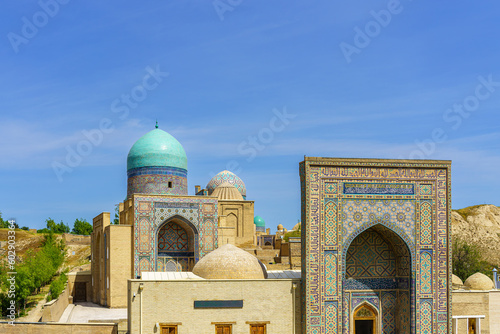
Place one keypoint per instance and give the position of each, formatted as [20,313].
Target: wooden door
[80,292]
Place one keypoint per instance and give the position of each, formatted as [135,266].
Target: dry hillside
[479,225]
[77,254]
[24,241]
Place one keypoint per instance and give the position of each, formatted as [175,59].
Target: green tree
[466,259]
[3,223]
[36,271]
[82,227]
[116,221]
[53,227]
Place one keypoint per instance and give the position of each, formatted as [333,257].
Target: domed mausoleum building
[161,228]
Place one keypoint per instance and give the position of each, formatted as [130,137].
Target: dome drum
[157,183]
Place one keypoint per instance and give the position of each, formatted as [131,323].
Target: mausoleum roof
[258,221]
[229,262]
[226,191]
[157,148]
[479,281]
[227,176]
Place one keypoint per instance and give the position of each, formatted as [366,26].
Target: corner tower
[157,165]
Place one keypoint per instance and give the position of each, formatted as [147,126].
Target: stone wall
[73,239]
[295,252]
[267,301]
[53,310]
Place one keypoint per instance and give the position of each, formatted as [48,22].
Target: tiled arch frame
[187,224]
[152,211]
[325,183]
[404,238]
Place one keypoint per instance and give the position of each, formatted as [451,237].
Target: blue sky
[372,79]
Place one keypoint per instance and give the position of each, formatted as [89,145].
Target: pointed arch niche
[377,277]
[176,245]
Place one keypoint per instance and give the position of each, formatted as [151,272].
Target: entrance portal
[365,319]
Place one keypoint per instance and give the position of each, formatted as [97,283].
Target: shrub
[57,286]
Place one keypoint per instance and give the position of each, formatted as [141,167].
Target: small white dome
[479,281]
[229,262]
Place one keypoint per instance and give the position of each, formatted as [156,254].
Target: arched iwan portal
[176,243]
[377,272]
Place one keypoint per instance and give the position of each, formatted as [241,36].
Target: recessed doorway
[365,320]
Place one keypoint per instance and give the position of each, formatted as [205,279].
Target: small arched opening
[365,319]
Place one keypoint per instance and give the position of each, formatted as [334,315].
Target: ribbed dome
[228,192]
[479,281]
[157,148]
[229,262]
[227,176]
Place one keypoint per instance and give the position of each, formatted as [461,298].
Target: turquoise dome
[259,222]
[157,148]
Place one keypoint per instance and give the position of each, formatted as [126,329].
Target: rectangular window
[168,329]
[223,329]
[170,184]
[259,328]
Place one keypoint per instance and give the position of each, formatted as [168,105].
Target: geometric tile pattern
[358,213]
[331,274]
[426,317]
[172,237]
[227,176]
[426,222]
[389,312]
[404,311]
[370,256]
[331,317]
[330,221]
[157,180]
[150,214]
[425,273]
[396,199]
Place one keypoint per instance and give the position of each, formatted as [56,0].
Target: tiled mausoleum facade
[375,246]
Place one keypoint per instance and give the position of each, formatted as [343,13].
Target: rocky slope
[480,225]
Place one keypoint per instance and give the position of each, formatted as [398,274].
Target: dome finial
[156,126]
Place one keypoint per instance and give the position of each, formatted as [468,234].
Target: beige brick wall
[173,302]
[53,310]
[100,223]
[120,267]
[80,276]
[485,303]
[243,213]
